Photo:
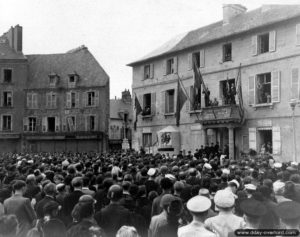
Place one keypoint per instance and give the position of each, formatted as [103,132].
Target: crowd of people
[135,194]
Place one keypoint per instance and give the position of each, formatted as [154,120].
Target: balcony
[223,114]
[64,135]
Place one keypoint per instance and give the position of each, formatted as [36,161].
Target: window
[147,71]
[263,88]
[263,43]
[32,124]
[227,87]
[147,104]
[7,75]
[51,124]
[170,101]
[6,122]
[53,79]
[72,78]
[227,52]
[32,101]
[92,123]
[73,99]
[147,139]
[51,100]
[7,99]
[91,98]
[264,140]
[170,66]
[71,123]
[196,57]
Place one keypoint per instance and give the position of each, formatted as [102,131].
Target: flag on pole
[198,77]
[239,93]
[138,110]
[181,98]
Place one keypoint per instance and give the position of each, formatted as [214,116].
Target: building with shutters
[266,43]
[120,121]
[53,102]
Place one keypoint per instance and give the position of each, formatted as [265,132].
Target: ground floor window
[6,123]
[147,139]
[265,141]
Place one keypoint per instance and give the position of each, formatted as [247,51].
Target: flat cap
[234,181]
[252,207]
[288,210]
[250,187]
[224,198]
[151,172]
[167,199]
[198,204]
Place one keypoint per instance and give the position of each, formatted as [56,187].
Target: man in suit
[21,207]
[50,191]
[72,199]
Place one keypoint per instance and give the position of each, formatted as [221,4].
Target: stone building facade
[265,44]
[120,121]
[59,102]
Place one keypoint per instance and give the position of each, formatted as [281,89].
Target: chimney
[14,36]
[232,10]
[126,96]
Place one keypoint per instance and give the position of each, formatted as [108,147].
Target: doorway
[51,124]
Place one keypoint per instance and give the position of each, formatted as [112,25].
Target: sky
[116,32]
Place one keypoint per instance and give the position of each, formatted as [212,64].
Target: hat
[207,166]
[204,192]
[293,167]
[234,181]
[252,207]
[171,177]
[250,187]
[151,172]
[288,210]
[277,165]
[198,204]
[86,199]
[65,163]
[225,171]
[224,198]
[166,200]
[278,187]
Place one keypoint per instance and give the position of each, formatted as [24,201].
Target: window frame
[93,99]
[2,121]
[29,125]
[170,66]
[11,99]
[3,74]
[147,71]
[266,44]
[225,56]
[167,102]
[147,137]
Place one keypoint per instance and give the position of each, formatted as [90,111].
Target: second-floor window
[51,100]
[147,104]
[263,88]
[170,101]
[7,99]
[7,75]
[147,71]
[227,52]
[6,123]
[32,124]
[91,98]
[32,102]
[263,43]
[170,66]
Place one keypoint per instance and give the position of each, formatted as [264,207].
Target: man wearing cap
[225,221]
[289,214]
[150,184]
[278,188]
[198,207]
[253,212]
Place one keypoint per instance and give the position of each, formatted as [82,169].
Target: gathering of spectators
[136,194]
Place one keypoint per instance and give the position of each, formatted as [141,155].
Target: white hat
[278,165]
[205,159]
[30,161]
[278,187]
[224,198]
[65,163]
[151,171]
[198,204]
[170,176]
[207,166]
[235,182]
[225,171]
[250,187]
[294,163]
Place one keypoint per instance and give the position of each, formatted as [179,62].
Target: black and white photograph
[149,118]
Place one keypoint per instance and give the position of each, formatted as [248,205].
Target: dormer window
[53,79]
[73,78]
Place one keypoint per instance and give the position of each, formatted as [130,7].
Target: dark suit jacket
[32,191]
[39,208]
[112,218]
[21,207]
[69,203]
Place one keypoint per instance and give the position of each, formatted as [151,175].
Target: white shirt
[194,229]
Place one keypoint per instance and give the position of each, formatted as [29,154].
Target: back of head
[18,185]
[8,225]
[115,192]
[50,189]
[127,231]
[166,184]
[77,182]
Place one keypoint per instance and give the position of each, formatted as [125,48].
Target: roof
[6,52]
[266,15]
[78,61]
[117,106]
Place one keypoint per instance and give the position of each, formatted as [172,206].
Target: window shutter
[272,41]
[12,123]
[151,70]
[254,45]
[68,105]
[162,106]
[1,123]
[295,83]
[192,96]
[175,64]
[12,99]
[55,100]
[97,98]
[25,124]
[187,103]
[190,61]
[275,84]
[251,90]
[96,123]
[35,101]
[276,140]
[140,98]
[84,99]
[86,120]
[44,124]
[298,34]
[202,58]
[28,100]
[64,124]
[57,124]
[77,101]
[164,67]
[252,138]
[153,103]
[48,100]
[38,124]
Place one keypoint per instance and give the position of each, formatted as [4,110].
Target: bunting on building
[239,93]
[181,98]
[138,110]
